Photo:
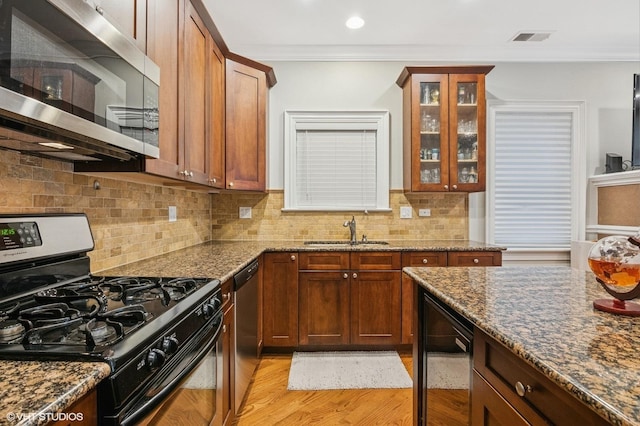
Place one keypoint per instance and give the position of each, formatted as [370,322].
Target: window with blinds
[532,179]
[336,161]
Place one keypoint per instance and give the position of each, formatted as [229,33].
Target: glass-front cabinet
[444,128]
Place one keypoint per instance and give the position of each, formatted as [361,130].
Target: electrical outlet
[173,213]
[245,212]
[424,212]
[405,212]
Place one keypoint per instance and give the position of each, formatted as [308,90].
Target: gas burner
[131,290]
[99,332]
[10,330]
[179,288]
[48,311]
[51,333]
[89,301]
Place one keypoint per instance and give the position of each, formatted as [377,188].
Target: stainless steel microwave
[72,86]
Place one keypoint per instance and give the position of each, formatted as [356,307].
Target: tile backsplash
[129,221]
[448,220]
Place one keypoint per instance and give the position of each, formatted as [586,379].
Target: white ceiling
[430,30]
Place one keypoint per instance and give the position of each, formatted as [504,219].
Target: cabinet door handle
[355,275]
[446,187]
[293,257]
[345,275]
[100,10]
[522,390]
[230,184]
[476,260]
[224,328]
[425,261]
[455,186]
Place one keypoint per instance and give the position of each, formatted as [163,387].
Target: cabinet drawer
[474,258]
[504,370]
[323,261]
[376,260]
[424,258]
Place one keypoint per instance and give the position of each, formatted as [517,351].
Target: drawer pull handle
[293,257]
[355,275]
[476,260]
[345,275]
[224,328]
[522,390]
[425,261]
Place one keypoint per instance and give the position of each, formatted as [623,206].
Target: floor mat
[347,370]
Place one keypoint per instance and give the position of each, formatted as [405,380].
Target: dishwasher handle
[245,275]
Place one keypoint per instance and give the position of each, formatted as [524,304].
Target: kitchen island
[545,316]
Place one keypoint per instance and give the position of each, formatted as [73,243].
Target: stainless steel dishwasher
[246,327]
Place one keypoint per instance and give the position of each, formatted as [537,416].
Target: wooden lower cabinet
[329,298]
[489,408]
[280,299]
[375,307]
[87,406]
[349,306]
[416,259]
[228,367]
[508,391]
[324,308]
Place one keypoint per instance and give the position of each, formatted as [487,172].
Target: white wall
[606,89]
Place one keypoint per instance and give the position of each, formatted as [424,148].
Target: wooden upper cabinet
[246,104]
[444,128]
[191,96]
[197,43]
[129,16]
[165,21]
[216,117]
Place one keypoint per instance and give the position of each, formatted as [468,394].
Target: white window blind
[336,160]
[532,180]
[336,168]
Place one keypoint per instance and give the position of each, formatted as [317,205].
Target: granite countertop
[31,392]
[545,315]
[222,259]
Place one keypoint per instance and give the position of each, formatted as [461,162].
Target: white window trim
[578,173]
[338,120]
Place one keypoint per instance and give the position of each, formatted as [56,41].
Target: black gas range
[51,307]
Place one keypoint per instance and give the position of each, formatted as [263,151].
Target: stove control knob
[170,345]
[155,359]
[209,309]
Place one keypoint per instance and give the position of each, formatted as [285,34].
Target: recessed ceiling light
[355,22]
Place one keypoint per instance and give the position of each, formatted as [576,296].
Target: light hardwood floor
[270,403]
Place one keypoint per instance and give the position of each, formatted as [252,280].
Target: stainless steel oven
[161,336]
[187,390]
[446,350]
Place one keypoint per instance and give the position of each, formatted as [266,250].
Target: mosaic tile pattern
[545,315]
[28,388]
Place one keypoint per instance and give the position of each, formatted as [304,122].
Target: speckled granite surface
[31,389]
[222,259]
[545,315]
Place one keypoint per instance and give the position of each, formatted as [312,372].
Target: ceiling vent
[531,36]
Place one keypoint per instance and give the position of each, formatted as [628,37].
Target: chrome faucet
[352,229]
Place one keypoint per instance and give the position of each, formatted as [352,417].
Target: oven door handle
[167,383]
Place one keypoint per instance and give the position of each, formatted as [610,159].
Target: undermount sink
[344,243]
